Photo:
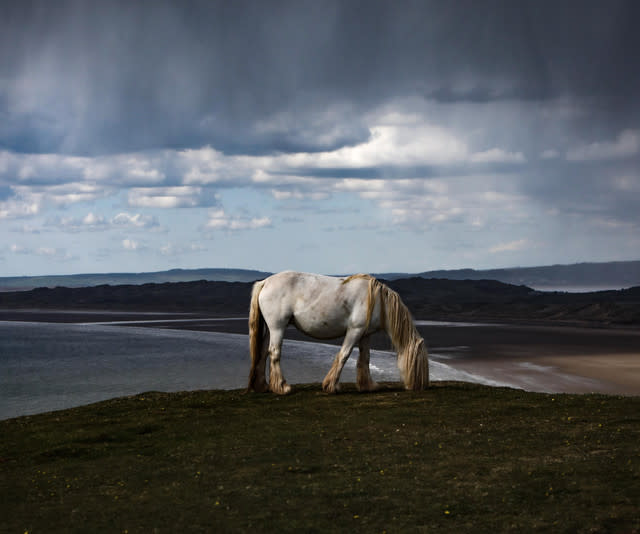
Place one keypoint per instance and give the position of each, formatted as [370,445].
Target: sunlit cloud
[509,247]
[219,220]
[178,249]
[130,244]
[171,197]
[96,222]
[54,253]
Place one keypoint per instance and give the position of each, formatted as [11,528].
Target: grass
[458,457]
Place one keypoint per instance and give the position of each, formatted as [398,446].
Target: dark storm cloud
[90,78]
[605,190]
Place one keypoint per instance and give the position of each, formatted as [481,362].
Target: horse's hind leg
[259,368]
[330,382]
[277,383]
[364,380]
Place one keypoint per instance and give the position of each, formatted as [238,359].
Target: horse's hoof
[331,389]
[283,389]
[367,388]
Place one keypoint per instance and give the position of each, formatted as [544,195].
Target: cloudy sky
[333,136]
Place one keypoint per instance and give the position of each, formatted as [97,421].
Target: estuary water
[52,366]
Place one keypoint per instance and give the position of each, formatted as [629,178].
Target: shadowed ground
[458,458]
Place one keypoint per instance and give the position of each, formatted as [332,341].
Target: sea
[53,366]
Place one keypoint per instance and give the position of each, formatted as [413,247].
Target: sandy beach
[561,358]
[621,371]
[568,359]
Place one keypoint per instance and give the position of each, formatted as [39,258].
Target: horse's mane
[361,276]
[374,291]
[398,320]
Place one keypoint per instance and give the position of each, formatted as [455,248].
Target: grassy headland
[457,457]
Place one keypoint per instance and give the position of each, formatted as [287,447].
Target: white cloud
[74,192]
[130,244]
[17,208]
[219,220]
[137,220]
[141,169]
[397,139]
[170,197]
[88,222]
[406,176]
[18,249]
[93,222]
[497,155]
[46,251]
[52,168]
[204,166]
[408,144]
[26,229]
[362,186]
[417,204]
[53,253]
[511,246]
[291,187]
[174,249]
[626,144]
[298,194]
[133,169]
[59,195]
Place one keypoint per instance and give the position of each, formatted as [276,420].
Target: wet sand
[620,370]
[565,359]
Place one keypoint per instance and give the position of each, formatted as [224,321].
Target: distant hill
[579,276]
[20,283]
[585,276]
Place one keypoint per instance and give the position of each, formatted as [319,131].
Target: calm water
[51,366]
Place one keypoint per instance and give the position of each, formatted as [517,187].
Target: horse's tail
[256,337]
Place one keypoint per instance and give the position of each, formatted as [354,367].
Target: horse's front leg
[330,382]
[364,380]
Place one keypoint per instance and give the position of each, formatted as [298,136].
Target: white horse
[326,307]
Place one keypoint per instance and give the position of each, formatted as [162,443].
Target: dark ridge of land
[614,274]
[431,299]
[22,283]
[454,458]
[215,298]
[490,300]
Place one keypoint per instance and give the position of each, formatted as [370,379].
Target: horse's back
[300,282]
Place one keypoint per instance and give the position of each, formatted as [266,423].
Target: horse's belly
[320,327]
